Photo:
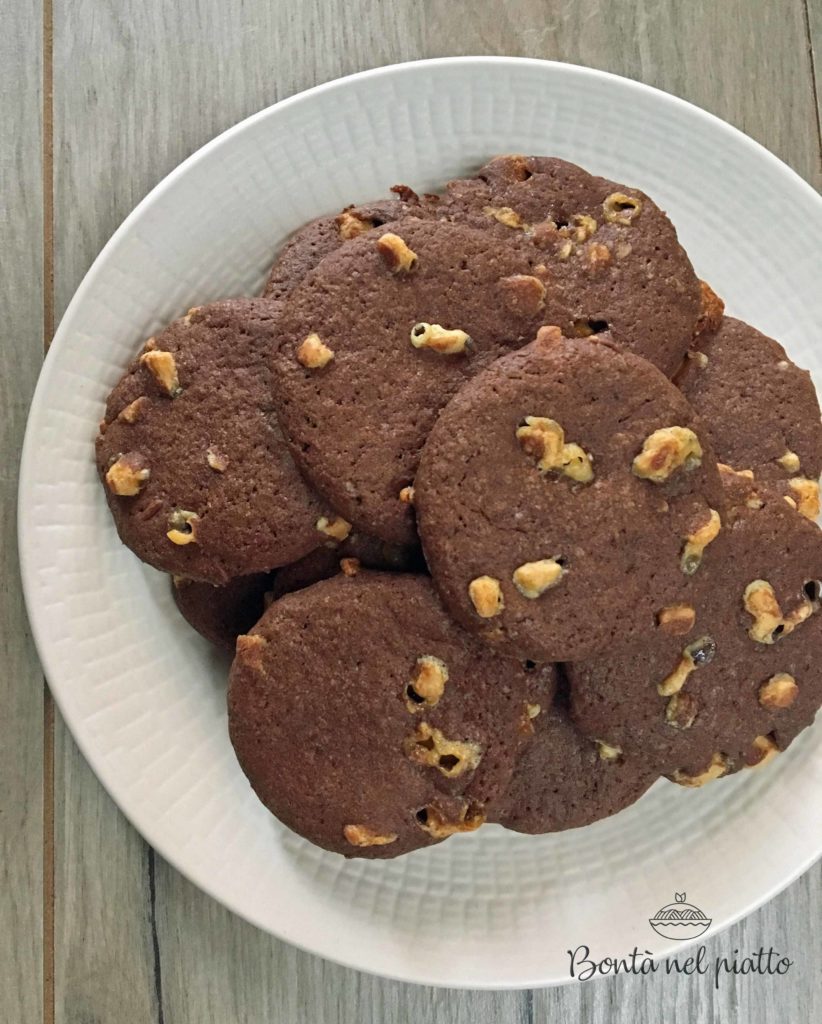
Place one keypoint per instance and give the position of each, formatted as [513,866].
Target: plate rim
[52,669]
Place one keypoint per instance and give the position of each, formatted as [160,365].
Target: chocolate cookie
[564,780]
[312,243]
[563,497]
[608,246]
[195,469]
[730,675]
[357,551]
[374,749]
[759,409]
[220,614]
[379,337]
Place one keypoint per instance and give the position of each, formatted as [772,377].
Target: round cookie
[320,564]
[564,780]
[317,239]
[197,475]
[731,673]
[357,551]
[563,497]
[759,409]
[610,247]
[368,722]
[373,553]
[221,614]
[378,338]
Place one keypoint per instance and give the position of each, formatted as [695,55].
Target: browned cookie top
[610,247]
[563,779]
[379,337]
[195,469]
[759,409]
[563,496]
[312,243]
[220,614]
[368,722]
[731,672]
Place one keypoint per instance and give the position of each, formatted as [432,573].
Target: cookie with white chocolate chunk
[759,409]
[374,749]
[610,247]
[563,496]
[319,238]
[405,318]
[730,676]
[196,472]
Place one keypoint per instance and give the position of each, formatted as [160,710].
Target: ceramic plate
[144,696]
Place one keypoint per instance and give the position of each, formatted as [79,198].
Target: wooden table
[100,99]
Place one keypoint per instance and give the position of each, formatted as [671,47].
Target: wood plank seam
[48,331]
[48,856]
[155,941]
[48,173]
[814,86]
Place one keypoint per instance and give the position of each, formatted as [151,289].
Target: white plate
[144,696]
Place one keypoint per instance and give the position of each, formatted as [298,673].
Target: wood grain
[140,84]
[261,979]
[731,57]
[813,15]
[103,941]
[21,680]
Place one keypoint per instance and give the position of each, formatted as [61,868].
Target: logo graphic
[679,920]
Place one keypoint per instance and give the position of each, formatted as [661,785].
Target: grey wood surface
[21,681]
[814,29]
[138,85]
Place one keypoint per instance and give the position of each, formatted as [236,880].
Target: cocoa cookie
[564,780]
[220,614]
[563,496]
[378,338]
[759,409]
[730,675]
[374,749]
[610,248]
[312,243]
[197,475]
[357,551]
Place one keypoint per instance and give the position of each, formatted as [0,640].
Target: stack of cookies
[500,516]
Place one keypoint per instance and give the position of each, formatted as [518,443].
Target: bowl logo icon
[679,920]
